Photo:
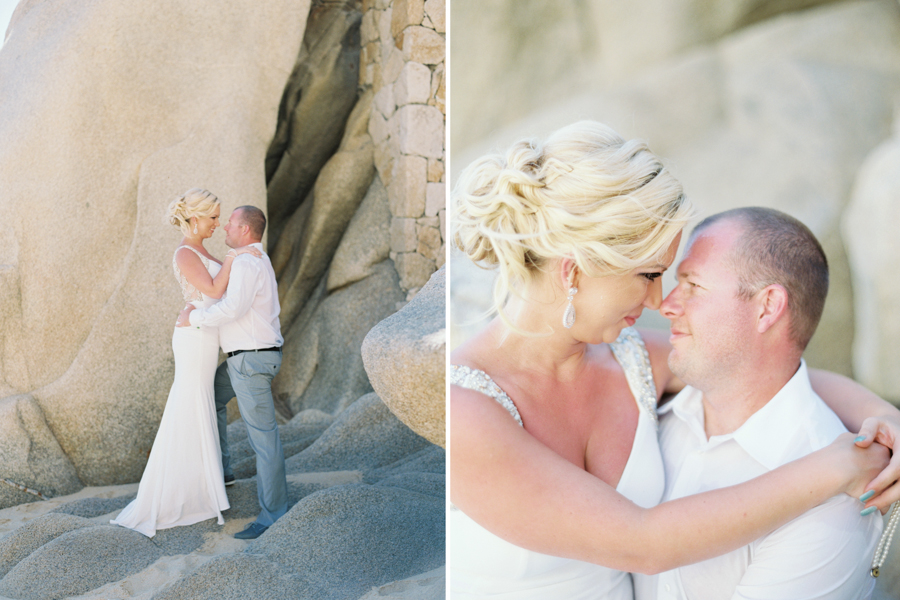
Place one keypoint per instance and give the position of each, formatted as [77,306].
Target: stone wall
[402,60]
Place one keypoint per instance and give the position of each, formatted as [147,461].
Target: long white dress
[183,482]
[482,565]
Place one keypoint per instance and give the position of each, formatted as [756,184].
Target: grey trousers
[248,376]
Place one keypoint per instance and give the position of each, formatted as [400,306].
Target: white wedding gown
[183,483]
[483,565]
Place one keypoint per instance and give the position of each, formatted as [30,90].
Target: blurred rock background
[790,104]
[329,115]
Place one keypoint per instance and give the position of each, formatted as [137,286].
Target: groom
[751,288]
[250,334]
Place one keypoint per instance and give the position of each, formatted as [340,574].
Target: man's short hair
[777,248]
[254,218]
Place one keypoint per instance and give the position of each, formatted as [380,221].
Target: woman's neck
[551,352]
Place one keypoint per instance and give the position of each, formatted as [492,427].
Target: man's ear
[772,305]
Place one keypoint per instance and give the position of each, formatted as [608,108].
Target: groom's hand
[184,316]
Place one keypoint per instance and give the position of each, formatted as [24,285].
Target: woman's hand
[856,466]
[234,252]
[884,430]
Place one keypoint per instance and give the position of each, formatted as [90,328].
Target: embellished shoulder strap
[475,379]
[188,291]
[631,353]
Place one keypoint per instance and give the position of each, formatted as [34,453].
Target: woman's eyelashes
[651,276]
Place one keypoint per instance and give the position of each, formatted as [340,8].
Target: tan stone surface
[414,269]
[873,245]
[413,86]
[436,12]
[405,13]
[30,455]
[366,241]
[339,189]
[91,323]
[322,367]
[429,244]
[435,170]
[435,198]
[418,129]
[320,94]
[404,357]
[407,188]
[423,45]
[403,235]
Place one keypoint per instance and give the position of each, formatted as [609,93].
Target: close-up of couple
[671,370]
[572,464]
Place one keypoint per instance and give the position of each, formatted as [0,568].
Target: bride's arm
[196,274]
[522,491]
[876,420]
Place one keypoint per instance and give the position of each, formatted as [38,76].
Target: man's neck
[728,406]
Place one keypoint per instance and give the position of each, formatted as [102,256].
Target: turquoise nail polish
[865,497]
[859,438]
[868,511]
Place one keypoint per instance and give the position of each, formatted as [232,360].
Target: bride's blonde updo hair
[584,193]
[195,202]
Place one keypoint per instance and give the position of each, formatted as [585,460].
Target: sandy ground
[144,584]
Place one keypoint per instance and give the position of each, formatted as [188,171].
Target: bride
[183,481]
[555,465]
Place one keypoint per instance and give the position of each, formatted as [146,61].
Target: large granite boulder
[365,436]
[30,455]
[873,245]
[571,46]
[404,357]
[19,544]
[118,107]
[336,539]
[79,561]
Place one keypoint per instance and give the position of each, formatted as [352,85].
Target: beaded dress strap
[475,379]
[631,353]
[188,291]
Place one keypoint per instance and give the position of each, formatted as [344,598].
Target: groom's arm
[239,296]
[825,554]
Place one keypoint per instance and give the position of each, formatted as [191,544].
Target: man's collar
[769,434]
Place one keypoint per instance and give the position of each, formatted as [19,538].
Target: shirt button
[668,588]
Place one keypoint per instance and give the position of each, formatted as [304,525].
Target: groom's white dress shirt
[823,554]
[247,315]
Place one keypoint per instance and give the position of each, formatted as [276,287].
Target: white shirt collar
[778,432]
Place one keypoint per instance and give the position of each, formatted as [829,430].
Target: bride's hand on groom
[184,316]
[884,430]
[234,252]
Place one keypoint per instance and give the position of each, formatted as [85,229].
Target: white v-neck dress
[482,565]
[183,482]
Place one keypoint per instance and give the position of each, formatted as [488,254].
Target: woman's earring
[195,228]
[569,315]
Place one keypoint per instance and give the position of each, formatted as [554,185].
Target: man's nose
[671,306]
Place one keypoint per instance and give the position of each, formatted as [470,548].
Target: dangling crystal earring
[195,229]
[569,314]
